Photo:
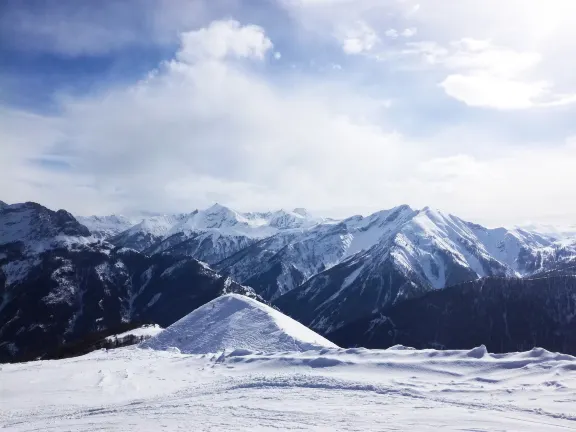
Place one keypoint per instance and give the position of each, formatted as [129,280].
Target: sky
[339,106]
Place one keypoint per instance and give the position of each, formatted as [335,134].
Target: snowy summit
[234,322]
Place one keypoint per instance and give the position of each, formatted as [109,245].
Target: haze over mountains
[63,277]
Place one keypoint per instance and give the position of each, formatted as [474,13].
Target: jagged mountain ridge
[210,235]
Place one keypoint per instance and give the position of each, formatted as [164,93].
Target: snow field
[331,389]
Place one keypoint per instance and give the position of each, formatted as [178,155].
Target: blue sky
[340,106]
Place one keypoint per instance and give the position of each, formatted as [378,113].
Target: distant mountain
[58,283]
[104,227]
[281,263]
[504,314]
[147,233]
[417,252]
[210,235]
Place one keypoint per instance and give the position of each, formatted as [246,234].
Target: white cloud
[410,32]
[358,38]
[519,185]
[222,39]
[485,90]
[391,33]
[520,48]
[203,128]
[481,74]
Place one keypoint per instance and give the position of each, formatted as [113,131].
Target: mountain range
[64,276]
[345,269]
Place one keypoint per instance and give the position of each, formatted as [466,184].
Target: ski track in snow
[331,389]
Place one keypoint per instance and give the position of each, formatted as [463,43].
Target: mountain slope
[70,294]
[504,314]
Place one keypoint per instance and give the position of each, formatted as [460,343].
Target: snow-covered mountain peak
[285,219]
[104,227]
[157,225]
[221,211]
[225,221]
[32,223]
[383,217]
[301,211]
[236,322]
[436,217]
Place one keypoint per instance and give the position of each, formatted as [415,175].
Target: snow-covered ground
[331,389]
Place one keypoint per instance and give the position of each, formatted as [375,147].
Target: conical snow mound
[234,322]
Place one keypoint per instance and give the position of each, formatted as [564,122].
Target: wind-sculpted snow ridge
[234,322]
[398,389]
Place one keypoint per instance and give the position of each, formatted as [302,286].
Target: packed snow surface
[233,322]
[399,389]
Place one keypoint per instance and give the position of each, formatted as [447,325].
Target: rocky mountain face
[505,314]
[59,284]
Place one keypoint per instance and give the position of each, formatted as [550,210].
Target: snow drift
[236,322]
